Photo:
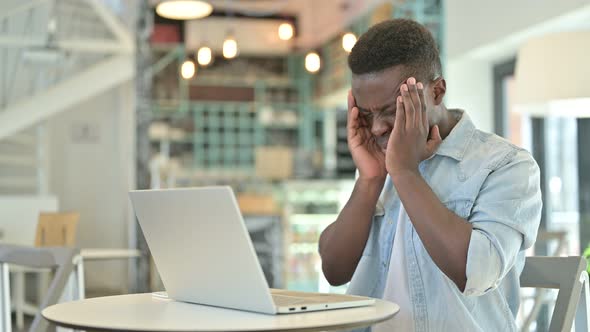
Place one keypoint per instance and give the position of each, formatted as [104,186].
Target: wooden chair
[55,229]
[569,276]
[59,260]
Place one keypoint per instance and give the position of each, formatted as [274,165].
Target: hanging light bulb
[286,31]
[204,56]
[348,41]
[187,70]
[312,62]
[184,9]
[230,47]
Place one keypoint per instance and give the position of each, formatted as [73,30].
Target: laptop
[204,254]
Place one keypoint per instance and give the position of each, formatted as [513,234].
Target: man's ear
[438,90]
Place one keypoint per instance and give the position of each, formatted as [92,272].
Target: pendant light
[230,46]
[312,62]
[187,70]
[184,9]
[348,41]
[204,56]
[286,31]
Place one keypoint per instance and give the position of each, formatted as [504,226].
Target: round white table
[144,312]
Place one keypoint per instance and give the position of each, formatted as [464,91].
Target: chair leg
[538,301]
[5,320]
[582,322]
[79,272]
[19,299]
[43,280]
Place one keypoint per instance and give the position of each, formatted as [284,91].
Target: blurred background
[98,97]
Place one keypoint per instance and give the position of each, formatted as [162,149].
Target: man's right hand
[366,154]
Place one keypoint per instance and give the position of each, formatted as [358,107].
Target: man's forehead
[384,81]
[377,92]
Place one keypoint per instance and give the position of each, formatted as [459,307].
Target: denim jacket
[495,186]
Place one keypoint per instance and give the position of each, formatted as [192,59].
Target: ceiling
[255,7]
[255,23]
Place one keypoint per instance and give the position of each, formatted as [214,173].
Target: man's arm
[342,243]
[474,254]
[444,234]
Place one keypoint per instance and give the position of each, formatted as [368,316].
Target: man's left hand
[412,140]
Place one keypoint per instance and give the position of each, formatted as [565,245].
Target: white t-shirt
[396,286]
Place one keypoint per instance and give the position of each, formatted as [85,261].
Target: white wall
[480,34]
[472,24]
[92,175]
[470,87]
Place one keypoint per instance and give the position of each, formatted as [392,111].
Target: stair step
[23,182]
[21,139]
[16,160]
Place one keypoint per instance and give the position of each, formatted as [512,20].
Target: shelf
[188,140]
[312,219]
[303,248]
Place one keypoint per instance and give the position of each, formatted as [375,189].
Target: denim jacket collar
[456,143]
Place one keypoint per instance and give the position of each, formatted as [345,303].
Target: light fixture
[187,70]
[550,77]
[286,31]
[204,56]
[348,41]
[230,47]
[184,9]
[312,62]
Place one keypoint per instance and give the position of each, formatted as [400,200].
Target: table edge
[364,323]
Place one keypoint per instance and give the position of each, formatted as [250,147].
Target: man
[441,212]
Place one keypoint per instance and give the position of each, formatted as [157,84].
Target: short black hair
[396,42]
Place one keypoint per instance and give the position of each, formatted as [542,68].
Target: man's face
[375,96]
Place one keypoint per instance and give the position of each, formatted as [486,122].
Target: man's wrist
[370,185]
[399,175]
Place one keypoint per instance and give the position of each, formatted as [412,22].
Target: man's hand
[366,154]
[411,140]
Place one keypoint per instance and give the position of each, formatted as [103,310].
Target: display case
[310,206]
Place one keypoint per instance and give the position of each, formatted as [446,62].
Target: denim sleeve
[505,219]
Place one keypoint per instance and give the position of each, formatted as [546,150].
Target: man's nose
[379,127]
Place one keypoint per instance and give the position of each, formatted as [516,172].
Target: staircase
[20,164]
[54,54]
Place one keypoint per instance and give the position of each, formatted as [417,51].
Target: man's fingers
[351,101]
[400,115]
[434,140]
[353,119]
[420,87]
[351,106]
[414,96]
[408,106]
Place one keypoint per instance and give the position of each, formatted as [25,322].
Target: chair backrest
[60,259]
[568,274]
[57,229]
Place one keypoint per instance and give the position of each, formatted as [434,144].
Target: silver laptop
[204,255]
